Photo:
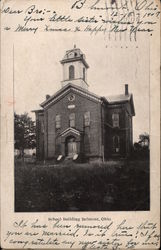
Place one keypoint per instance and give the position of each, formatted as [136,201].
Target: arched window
[116,144]
[71,72]
[84,74]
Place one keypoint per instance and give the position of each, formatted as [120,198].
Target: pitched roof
[115,99]
[38,111]
[118,98]
[65,89]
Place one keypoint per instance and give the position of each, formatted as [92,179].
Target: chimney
[126,89]
[47,97]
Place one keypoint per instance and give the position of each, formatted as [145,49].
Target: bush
[140,152]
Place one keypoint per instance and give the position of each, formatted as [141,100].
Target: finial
[74,46]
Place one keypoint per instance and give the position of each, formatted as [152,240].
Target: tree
[144,140]
[141,148]
[25,132]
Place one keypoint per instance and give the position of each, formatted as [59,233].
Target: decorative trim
[75,79]
[68,130]
[57,98]
[71,106]
[73,59]
[71,97]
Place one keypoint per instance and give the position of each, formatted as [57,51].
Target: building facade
[75,122]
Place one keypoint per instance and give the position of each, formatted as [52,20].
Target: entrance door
[71,147]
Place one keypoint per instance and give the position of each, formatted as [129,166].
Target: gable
[66,90]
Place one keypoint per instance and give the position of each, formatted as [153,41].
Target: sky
[37,70]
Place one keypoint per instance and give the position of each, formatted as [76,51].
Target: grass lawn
[111,186]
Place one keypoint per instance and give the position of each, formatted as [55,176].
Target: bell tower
[75,68]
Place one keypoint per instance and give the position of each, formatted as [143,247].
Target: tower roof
[74,54]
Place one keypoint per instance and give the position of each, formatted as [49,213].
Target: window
[87,119]
[71,72]
[84,76]
[116,144]
[115,120]
[72,120]
[57,121]
[42,127]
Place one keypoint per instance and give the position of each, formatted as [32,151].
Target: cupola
[75,68]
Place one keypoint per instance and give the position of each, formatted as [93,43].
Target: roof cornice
[80,58]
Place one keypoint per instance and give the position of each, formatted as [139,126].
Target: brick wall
[92,139]
[96,141]
[124,132]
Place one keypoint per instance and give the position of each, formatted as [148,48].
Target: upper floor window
[115,120]
[71,72]
[58,121]
[72,120]
[87,119]
[42,127]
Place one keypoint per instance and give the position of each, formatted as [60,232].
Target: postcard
[80,124]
